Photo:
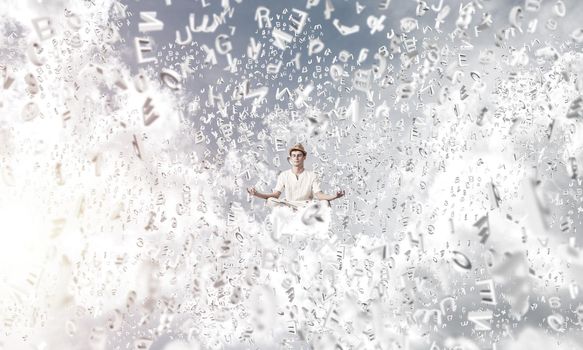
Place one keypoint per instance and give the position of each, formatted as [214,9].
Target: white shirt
[300,188]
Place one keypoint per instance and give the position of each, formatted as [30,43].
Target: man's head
[297,155]
[297,147]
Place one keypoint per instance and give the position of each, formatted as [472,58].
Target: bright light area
[23,246]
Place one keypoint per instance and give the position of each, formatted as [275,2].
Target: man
[300,185]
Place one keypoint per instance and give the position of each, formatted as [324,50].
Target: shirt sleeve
[316,184]
[279,185]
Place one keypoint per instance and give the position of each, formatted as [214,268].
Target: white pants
[275,203]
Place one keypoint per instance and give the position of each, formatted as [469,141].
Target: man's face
[297,158]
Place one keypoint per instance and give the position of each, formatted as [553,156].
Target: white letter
[281,38]
[143,45]
[225,46]
[151,24]
[316,46]
[43,27]
[262,14]
[170,78]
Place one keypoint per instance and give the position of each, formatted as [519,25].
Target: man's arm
[252,191]
[329,197]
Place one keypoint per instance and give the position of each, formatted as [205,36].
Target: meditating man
[300,185]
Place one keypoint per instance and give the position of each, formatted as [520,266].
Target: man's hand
[340,193]
[252,191]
